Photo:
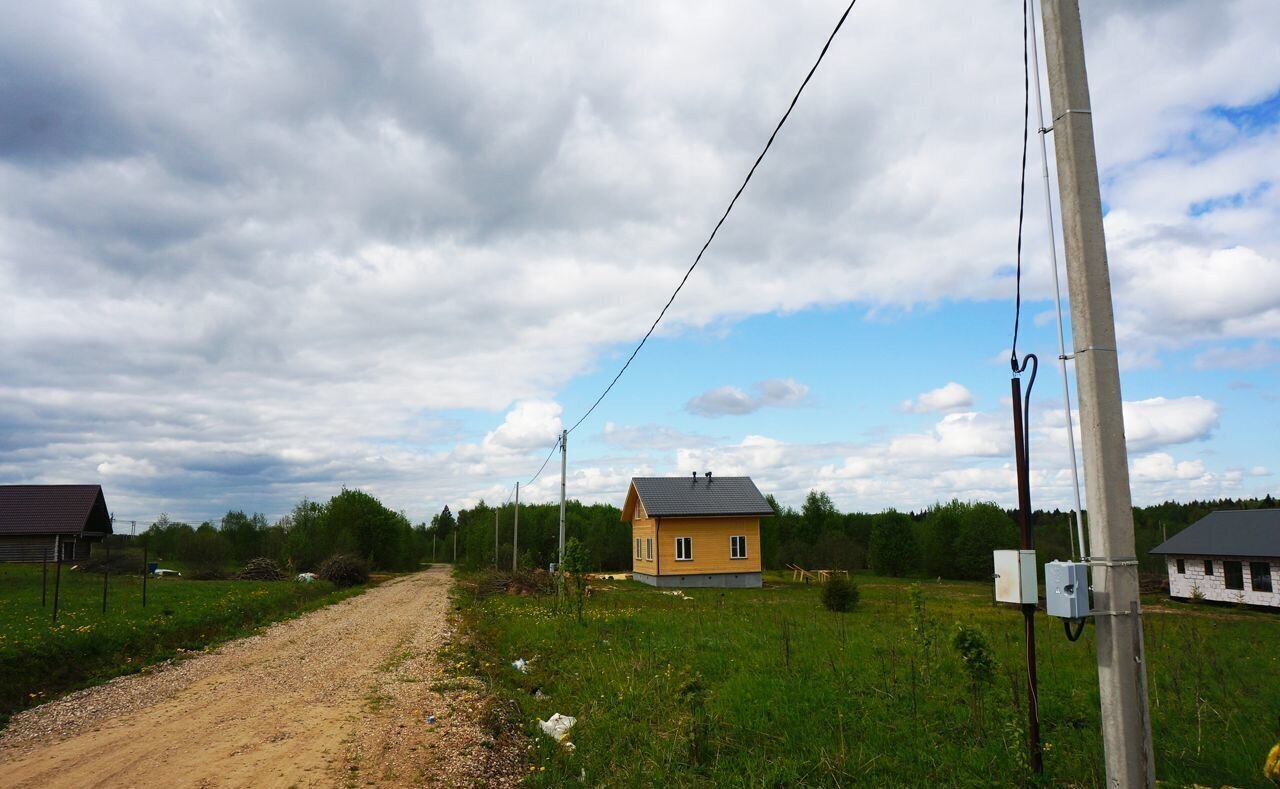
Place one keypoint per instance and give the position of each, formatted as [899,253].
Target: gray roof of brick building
[1228,533]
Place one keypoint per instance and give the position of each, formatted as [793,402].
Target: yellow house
[687,531]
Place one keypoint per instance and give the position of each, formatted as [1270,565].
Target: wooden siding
[38,548]
[710,545]
[643,529]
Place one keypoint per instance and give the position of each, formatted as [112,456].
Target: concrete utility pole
[1122,678]
[564,450]
[564,440]
[515,533]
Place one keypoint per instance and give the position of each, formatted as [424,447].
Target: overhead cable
[1022,188]
[554,447]
[723,217]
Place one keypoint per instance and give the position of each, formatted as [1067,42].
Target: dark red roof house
[38,522]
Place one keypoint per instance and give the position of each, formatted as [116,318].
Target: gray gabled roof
[674,496]
[1228,533]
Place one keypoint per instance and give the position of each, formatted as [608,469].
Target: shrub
[344,570]
[975,654]
[839,594]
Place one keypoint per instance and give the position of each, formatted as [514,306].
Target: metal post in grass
[106,572]
[57,578]
[144,577]
[44,577]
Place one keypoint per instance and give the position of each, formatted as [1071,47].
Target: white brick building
[1231,556]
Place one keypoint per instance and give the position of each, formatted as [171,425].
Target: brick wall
[1214,587]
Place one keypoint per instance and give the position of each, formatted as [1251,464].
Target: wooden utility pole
[515,533]
[1122,679]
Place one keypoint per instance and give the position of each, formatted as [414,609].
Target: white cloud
[730,400]
[530,425]
[1161,467]
[1162,421]
[949,397]
[957,435]
[649,437]
[1259,354]
[722,401]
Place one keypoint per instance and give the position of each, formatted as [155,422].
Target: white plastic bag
[557,726]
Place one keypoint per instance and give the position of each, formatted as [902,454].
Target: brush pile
[260,569]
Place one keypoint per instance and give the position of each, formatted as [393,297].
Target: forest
[352,522]
[948,540]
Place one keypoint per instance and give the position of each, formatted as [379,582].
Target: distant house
[691,531]
[1230,555]
[39,522]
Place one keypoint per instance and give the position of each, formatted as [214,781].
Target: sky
[255,253]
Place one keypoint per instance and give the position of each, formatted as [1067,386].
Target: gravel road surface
[337,697]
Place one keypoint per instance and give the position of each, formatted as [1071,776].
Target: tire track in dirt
[302,704]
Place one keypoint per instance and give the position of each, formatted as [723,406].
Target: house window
[638,555]
[1233,575]
[1260,576]
[648,549]
[1208,566]
[1182,567]
[684,549]
[737,547]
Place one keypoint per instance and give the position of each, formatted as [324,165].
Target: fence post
[57,580]
[106,572]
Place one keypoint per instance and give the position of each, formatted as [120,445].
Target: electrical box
[1066,589]
[1016,580]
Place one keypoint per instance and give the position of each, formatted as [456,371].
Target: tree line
[952,539]
[352,522]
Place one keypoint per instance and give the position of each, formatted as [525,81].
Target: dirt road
[338,697]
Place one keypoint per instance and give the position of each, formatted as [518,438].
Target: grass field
[766,688]
[40,660]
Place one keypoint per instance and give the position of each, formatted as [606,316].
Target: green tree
[984,527]
[942,525]
[894,549]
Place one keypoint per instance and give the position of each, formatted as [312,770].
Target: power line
[723,217]
[554,447]
[1022,187]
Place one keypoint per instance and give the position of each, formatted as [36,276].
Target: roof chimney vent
[695,476]
[708,477]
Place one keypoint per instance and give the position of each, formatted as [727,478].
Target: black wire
[554,447]
[1034,361]
[1066,624]
[725,216]
[1022,188]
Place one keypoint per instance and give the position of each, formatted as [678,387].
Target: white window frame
[688,549]
[638,544]
[648,549]
[738,546]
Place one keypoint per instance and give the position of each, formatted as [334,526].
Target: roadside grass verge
[40,660]
[766,688]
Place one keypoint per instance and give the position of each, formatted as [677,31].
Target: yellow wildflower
[1272,768]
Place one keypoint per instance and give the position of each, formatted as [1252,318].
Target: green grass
[40,660]
[766,688]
